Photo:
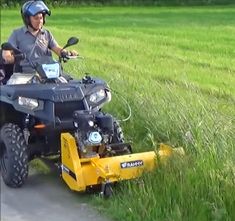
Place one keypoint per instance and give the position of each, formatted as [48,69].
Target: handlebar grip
[19,57]
[71,56]
[63,54]
[67,55]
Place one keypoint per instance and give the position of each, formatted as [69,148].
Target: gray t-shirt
[33,46]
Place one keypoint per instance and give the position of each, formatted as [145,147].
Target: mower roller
[81,173]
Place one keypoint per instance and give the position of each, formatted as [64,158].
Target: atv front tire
[118,137]
[13,155]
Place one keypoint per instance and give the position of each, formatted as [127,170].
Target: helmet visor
[37,7]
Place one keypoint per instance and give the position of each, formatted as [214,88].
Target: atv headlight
[97,96]
[28,102]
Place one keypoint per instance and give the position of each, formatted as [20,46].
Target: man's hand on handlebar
[73,53]
[69,54]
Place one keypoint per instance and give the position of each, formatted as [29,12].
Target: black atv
[34,114]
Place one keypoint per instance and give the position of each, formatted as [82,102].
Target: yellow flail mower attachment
[80,173]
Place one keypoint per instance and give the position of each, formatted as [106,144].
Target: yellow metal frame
[79,173]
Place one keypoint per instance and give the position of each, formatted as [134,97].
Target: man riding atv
[37,107]
[32,40]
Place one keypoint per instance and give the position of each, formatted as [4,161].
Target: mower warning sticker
[130,164]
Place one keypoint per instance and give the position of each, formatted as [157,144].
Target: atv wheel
[118,136]
[13,155]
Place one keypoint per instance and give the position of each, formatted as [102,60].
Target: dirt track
[45,197]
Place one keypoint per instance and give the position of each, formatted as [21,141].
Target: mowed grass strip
[175,67]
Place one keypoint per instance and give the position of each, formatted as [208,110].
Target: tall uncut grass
[175,67]
[13,3]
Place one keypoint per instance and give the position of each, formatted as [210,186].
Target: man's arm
[57,50]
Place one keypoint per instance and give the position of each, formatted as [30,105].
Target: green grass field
[176,68]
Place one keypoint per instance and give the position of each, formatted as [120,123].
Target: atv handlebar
[75,57]
[19,57]
[65,56]
[72,56]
